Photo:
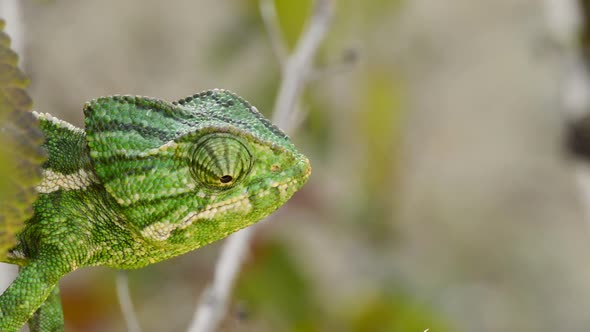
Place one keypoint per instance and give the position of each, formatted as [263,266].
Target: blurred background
[442,195]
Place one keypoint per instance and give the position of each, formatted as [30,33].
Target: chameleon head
[191,172]
[238,170]
[241,178]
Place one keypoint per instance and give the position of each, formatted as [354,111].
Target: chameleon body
[145,181]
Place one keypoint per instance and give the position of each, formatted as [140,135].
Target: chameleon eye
[220,161]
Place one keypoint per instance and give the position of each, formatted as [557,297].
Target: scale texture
[146,180]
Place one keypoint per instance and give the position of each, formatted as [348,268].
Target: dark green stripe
[129,166]
[146,132]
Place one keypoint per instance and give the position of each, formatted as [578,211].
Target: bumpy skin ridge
[147,180]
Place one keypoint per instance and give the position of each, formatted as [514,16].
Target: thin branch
[124,297]
[214,301]
[298,66]
[296,69]
[268,13]
[566,23]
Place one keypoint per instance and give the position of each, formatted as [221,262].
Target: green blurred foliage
[381,124]
[273,288]
[248,28]
[318,133]
[292,17]
[20,153]
[235,38]
[391,312]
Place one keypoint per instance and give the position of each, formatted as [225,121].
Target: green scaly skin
[146,180]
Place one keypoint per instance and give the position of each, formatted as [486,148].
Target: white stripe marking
[54,181]
[161,231]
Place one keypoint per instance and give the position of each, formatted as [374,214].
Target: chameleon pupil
[226,179]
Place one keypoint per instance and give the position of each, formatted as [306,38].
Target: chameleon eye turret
[220,161]
[145,181]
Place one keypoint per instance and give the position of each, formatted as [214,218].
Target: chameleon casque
[145,181]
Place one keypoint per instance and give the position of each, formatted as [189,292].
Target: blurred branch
[584,23]
[10,11]
[268,12]
[124,297]
[577,101]
[298,67]
[214,301]
[565,25]
[296,70]
[569,25]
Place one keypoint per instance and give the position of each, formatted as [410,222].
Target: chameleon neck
[74,210]
[76,216]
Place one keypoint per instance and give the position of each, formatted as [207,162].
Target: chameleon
[145,180]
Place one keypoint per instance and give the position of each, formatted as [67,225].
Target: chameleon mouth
[305,165]
[243,204]
[161,231]
[289,185]
[285,188]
